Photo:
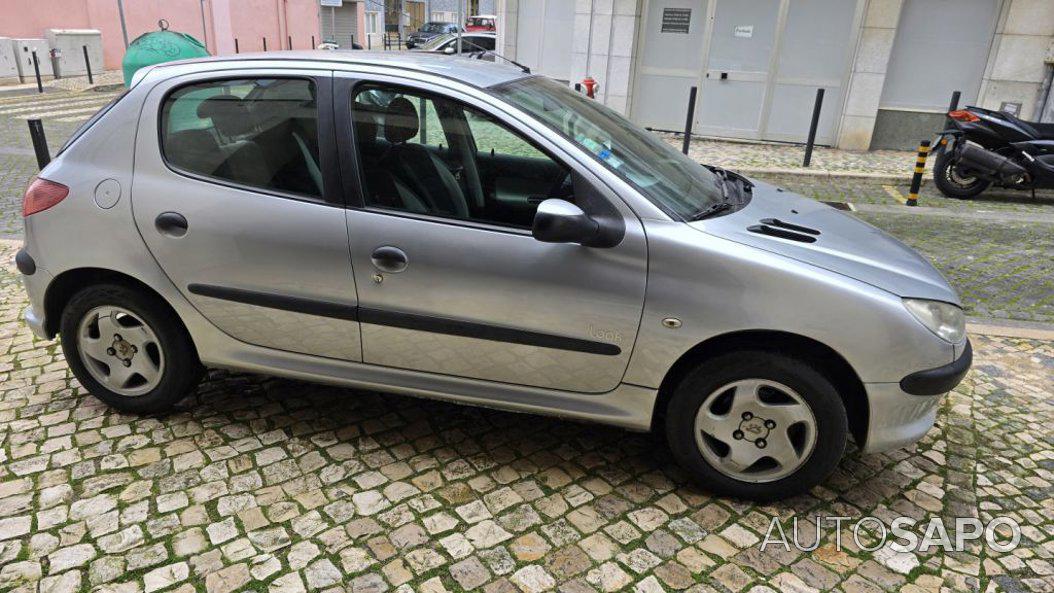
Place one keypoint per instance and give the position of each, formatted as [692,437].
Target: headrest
[400,121]
[229,114]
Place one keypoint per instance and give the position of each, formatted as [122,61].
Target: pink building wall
[247,20]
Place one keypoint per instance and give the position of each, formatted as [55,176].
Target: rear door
[236,197]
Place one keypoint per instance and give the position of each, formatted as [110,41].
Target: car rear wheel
[128,349]
[757,425]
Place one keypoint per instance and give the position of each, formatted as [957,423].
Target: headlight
[944,319]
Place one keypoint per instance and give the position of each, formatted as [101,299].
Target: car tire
[944,178]
[128,349]
[789,395]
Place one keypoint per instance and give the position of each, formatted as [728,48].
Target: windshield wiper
[711,210]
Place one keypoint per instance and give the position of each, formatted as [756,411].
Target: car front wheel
[757,425]
[128,349]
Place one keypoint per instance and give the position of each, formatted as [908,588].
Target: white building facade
[888,67]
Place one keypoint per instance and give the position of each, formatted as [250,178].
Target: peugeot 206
[465,230]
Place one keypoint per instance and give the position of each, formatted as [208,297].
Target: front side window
[659,171]
[428,154]
[261,133]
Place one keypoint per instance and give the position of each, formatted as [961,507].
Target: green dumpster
[159,46]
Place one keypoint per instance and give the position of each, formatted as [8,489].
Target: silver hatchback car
[464,230]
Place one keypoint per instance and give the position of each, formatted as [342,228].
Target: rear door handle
[389,259]
[172,224]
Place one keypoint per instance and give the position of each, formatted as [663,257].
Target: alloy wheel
[755,430]
[120,351]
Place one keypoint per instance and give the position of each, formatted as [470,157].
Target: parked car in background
[482,22]
[471,43]
[429,31]
[462,230]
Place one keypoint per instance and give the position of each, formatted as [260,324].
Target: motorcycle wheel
[953,184]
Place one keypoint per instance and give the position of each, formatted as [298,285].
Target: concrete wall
[1016,68]
[605,42]
[248,20]
[868,73]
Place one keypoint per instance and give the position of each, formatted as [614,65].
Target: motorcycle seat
[1040,131]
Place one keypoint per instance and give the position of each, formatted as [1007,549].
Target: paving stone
[272,484]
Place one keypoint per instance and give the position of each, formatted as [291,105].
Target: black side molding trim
[437,325]
[941,379]
[277,301]
[25,264]
[468,329]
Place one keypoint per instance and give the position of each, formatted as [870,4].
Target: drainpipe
[283,24]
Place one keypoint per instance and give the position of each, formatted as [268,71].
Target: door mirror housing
[560,221]
[449,50]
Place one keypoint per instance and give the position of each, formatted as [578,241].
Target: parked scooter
[982,148]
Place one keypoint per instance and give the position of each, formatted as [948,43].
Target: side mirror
[560,221]
[449,50]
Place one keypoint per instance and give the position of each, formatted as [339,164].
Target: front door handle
[172,224]
[389,259]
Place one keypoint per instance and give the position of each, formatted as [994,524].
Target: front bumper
[898,417]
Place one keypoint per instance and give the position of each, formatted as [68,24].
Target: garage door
[757,64]
[544,33]
[959,44]
[670,61]
[340,24]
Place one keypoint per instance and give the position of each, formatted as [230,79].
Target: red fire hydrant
[591,87]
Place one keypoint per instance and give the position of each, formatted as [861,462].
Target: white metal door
[669,62]
[814,52]
[735,83]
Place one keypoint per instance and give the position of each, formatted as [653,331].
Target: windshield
[437,41]
[668,178]
[433,28]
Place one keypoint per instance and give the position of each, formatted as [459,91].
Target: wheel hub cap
[120,351]
[755,430]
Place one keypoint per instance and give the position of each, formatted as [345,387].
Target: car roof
[480,73]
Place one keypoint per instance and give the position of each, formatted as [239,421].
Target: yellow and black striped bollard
[920,168]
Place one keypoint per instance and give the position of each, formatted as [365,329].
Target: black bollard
[87,64]
[36,70]
[690,119]
[40,143]
[812,127]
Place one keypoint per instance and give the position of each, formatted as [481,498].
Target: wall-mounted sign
[676,20]
[332,3]
[1011,108]
[744,31]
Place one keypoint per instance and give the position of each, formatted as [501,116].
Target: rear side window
[261,133]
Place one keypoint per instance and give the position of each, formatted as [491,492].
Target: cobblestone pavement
[279,486]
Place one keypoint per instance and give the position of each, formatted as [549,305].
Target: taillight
[41,195]
[963,116]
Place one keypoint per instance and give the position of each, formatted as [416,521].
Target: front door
[450,278]
[235,198]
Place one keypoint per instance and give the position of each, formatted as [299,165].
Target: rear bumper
[901,413]
[35,321]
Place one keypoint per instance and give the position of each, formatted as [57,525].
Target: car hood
[820,235]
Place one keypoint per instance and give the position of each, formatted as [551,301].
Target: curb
[1008,328]
[876,178]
